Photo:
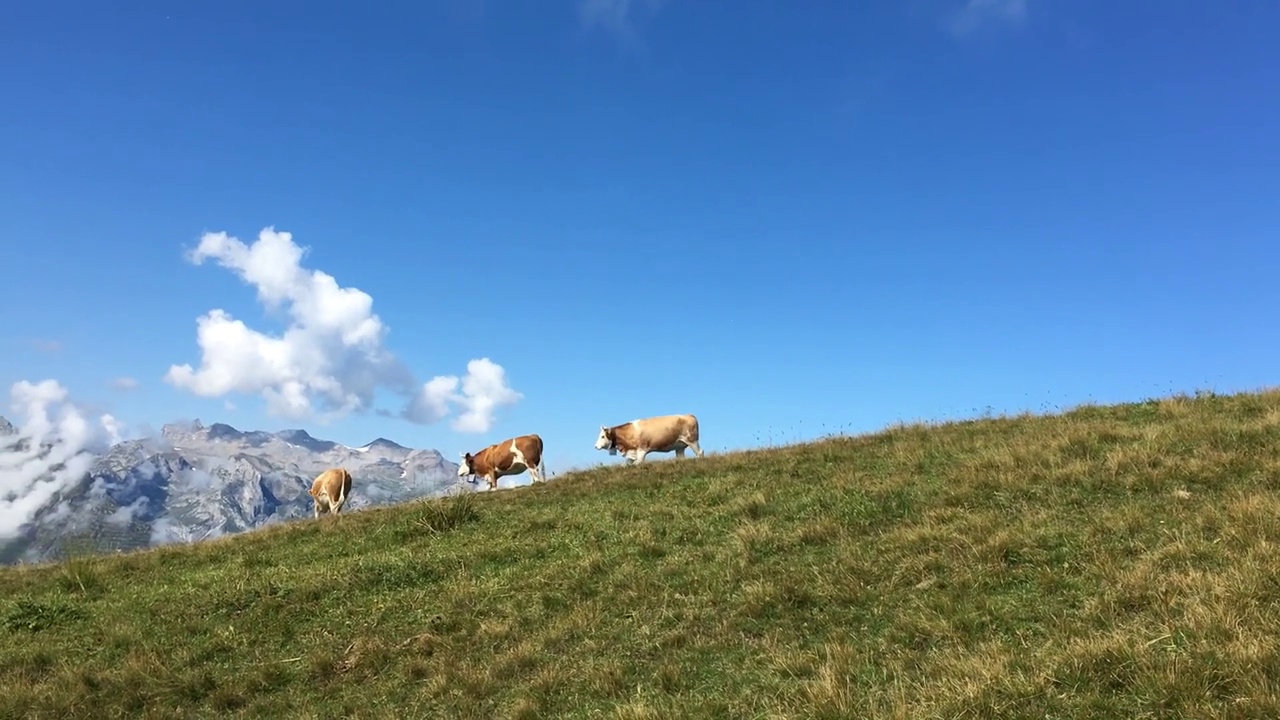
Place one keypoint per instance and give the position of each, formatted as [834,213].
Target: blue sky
[787,218]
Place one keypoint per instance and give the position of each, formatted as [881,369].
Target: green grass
[1106,562]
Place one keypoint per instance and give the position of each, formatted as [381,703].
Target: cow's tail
[542,461]
[344,484]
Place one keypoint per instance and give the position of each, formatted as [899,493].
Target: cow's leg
[492,479]
[680,451]
[315,506]
[639,456]
[534,475]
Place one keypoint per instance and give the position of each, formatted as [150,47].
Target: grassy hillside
[1108,562]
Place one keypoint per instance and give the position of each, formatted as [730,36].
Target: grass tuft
[440,515]
[32,616]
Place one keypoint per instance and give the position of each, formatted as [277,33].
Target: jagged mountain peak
[302,438]
[223,431]
[181,429]
[295,434]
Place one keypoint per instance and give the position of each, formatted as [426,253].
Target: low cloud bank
[49,449]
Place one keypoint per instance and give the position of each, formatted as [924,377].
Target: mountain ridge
[192,481]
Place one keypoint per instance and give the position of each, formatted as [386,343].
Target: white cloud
[229,406]
[125,383]
[331,358]
[977,12]
[432,402]
[483,390]
[194,479]
[113,428]
[125,514]
[53,449]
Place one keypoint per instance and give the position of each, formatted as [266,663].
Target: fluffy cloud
[50,450]
[483,390]
[331,358]
[977,12]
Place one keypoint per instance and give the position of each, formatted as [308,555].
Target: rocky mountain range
[195,481]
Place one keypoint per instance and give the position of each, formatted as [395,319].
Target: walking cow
[638,438]
[509,457]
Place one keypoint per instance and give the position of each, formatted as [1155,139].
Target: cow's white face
[464,465]
[602,442]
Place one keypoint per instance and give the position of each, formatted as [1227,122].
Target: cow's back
[689,426]
[663,430]
[530,446]
[500,458]
[336,482]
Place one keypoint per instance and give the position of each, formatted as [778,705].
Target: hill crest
[1111,561]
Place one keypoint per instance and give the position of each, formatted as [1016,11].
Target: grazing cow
[656,434]
[330,490]
[509,457]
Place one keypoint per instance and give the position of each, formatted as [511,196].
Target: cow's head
[465,467]
[605,441]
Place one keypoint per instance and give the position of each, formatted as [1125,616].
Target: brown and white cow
[509,457]
[330,490]
[638,438]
